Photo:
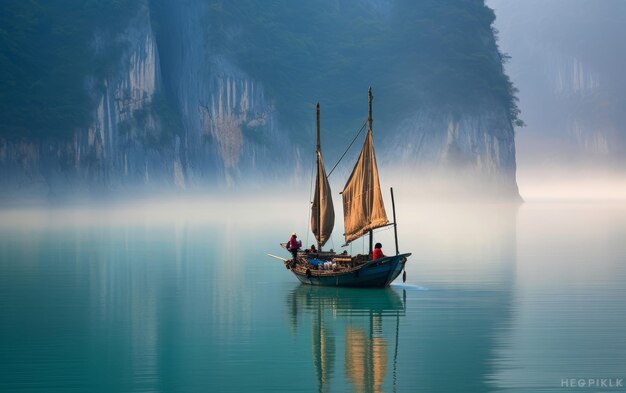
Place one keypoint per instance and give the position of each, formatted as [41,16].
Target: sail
[322,212]
[363,207]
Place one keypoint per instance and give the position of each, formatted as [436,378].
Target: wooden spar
[370,120]
[370,98]
[395,225]
[277,257]
[319,197]
[317,122]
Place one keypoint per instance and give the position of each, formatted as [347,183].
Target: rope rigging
[327,176]
[308,220]
[349,146]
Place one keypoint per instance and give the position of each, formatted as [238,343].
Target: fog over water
[174,291]
[157,295]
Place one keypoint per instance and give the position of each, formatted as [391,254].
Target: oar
[277,257]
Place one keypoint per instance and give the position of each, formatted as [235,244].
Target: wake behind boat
[364,211]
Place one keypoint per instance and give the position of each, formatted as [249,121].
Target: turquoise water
[497,298]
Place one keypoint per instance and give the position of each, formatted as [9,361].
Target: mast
[322,211]
[363,206]
[395,225]
[318,149]
[369,113]
[370,98]
[317,123]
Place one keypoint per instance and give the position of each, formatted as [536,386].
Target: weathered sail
[363,206]
[322,212]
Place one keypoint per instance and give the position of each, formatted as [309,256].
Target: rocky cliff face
[574,82]
[224,125]
[476,149]
[178,112]
[230,127]
[114,151]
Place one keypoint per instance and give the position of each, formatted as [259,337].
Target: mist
[154,152]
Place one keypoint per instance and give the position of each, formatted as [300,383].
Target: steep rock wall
[115,150]
[230,127]
[475,150]
[177,112]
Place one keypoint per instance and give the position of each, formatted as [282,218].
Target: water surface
[497,298]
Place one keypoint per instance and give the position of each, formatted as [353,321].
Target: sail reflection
[366,360]
[323,349]
[361,315]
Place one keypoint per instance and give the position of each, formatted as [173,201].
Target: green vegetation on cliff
[436,53]
[48,49]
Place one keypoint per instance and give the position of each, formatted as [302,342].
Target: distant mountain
[108,95]
[568,60]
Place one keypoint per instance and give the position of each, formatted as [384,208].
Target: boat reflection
[359,314]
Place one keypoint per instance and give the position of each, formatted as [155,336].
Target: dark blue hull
[378,273]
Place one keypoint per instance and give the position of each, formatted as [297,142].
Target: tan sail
[322,212]
[363,206]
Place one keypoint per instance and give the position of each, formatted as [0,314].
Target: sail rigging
[322,211]
[364,211]
[363,207]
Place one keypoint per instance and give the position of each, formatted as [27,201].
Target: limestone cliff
[475,148]
[230,128]
[114,150]
[216,95]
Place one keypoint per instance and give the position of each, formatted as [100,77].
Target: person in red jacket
[294,245]
[378,253]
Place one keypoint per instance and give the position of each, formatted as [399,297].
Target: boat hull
[379,273]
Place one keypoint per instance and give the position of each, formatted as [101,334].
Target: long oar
[277,257]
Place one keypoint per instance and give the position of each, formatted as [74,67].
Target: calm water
[496,299]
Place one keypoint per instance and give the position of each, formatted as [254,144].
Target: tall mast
[363,206]
[370,97]
[369,112]
[317,155]
[317,122]
[395,223]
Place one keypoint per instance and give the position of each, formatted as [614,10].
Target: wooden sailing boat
[364,211]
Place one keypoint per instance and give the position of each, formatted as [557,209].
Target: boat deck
[343,263]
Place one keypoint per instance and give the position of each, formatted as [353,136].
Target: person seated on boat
[378,252]
[293,246]
[313,250]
